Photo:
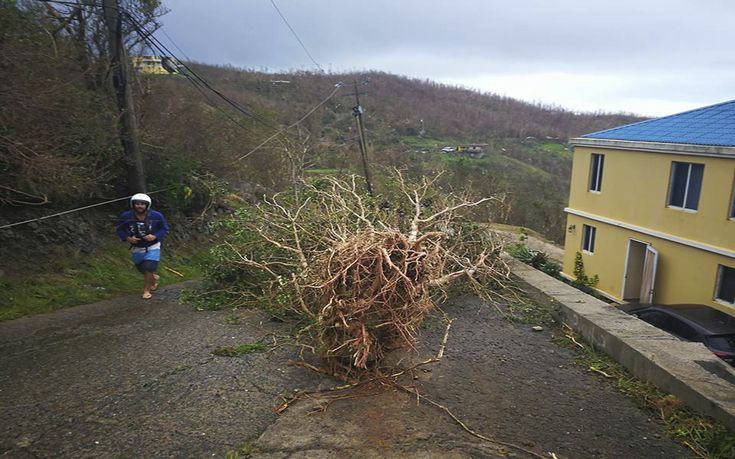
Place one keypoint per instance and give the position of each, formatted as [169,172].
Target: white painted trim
[656,147]
[593,238]
[654,252]
[654,233]
[683,209]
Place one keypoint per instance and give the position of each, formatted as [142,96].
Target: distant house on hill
[476,150]
[155,65]
[652,209]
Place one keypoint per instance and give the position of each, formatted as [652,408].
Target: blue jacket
[154,223]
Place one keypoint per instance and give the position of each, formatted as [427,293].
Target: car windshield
[722,342]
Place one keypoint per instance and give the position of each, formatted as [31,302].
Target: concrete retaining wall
[687,370]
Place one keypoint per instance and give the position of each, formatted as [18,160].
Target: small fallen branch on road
[419,396]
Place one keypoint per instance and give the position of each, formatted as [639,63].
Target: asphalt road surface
[134,378]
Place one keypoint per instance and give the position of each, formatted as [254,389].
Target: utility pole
[126,124]
[357,112]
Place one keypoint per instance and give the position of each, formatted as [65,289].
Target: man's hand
[133,239]
[149,237]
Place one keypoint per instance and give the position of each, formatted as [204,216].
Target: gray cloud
[674,54]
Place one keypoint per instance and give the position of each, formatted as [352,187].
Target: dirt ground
[128,378]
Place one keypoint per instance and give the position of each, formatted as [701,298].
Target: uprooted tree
[362,272]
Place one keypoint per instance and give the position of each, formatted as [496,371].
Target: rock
[537,328]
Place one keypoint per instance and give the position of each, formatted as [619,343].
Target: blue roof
[713,125]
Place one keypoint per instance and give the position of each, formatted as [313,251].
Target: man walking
[143,228]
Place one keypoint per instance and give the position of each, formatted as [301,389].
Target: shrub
[581,280]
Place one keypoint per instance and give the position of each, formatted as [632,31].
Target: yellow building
[153,65]
[652,209]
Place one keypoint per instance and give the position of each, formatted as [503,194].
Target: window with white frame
[596,163]
[588,238]
[686,184]
[725,289]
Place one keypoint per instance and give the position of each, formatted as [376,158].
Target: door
[649,275]
[633,279]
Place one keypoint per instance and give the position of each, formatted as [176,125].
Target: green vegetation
[537,259]
[421,143]
[243,451]
[557,148]
[59,145]
[240,349]
[581,280]
[232,319]
[322,171]
[528,311]
[70,280]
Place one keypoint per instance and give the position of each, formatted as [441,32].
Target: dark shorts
[147,266]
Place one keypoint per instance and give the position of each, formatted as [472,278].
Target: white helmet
[141,197]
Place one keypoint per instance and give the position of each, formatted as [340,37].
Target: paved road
[127,378]
[133,378]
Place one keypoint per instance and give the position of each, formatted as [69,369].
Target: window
[588,238]
[725,290]
[686,183]
[732,203]
[596,172]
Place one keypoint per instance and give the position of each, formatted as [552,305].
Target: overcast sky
[649,57]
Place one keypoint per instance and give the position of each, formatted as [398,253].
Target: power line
[148,36]
[296,35]
[198,81]
[326,99]
[188,75]
[175,45]
[78,209]
[78,4]
[164,50]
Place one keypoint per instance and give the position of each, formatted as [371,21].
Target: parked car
[691,322]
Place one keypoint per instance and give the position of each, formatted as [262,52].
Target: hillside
[59,147]
[398,104]
[407,123]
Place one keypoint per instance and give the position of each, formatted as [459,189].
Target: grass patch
[207,298]
[535,258]
[322,171]
[240,349]
[69,280]
[558,148]
[423,143]
[242,451]
[704,436]
[523,231]
[232,319]
[528,312]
